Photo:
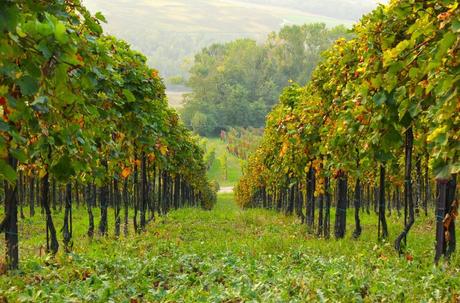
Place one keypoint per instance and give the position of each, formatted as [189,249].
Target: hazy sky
[170,32]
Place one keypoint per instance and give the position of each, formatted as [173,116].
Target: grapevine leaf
[63,169]
[380,98]
[4,127]
[456,25]
[7,171]
[19,154]
[28,85]
[129,95]
[100,17]
[61,33]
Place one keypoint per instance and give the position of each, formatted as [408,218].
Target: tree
[203,124]
[238,83]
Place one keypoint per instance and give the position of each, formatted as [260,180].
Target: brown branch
[2,226]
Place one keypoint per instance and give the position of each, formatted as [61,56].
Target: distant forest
[237,83]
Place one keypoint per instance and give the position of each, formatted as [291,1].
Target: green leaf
[400,47]
[4,127]
[392,137]
[456,26]
[7,171]
[44,28]
[442,172]
[43,47]
[379,98]
[413,73]
[100,17]
[413,109]
[129,95]
[382,156]
[28,85]
[9,17]
[455,168]
[446,42]
[19,154]
[94,26]
[60,33]
[40,100]
[64,169]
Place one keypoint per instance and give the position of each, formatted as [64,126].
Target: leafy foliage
[400,71]
[237,83]
[388,93]
[242,142]
[80,105]
[227,254]
[71,96]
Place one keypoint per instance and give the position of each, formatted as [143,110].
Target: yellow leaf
[126,172]
[163,150]
[438,131]
[151,157]
[284,149]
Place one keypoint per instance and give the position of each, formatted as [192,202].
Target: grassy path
[230,255]
[216,172]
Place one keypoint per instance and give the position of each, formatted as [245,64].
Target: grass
[216,172]
[231,255]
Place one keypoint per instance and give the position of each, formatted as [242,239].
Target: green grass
[231,255]
[216,172]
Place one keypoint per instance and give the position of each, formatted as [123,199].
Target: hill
[170,32]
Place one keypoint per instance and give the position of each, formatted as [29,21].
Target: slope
[170,31]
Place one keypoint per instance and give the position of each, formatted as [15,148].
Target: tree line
[237,83]
[86,121]
[377,124]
